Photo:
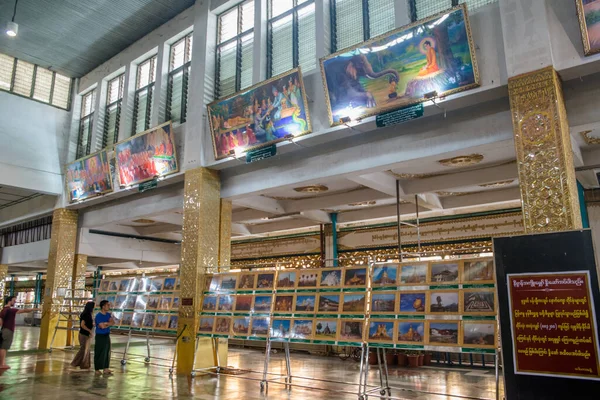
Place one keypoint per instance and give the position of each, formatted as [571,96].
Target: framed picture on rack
[127,319]
[241,326]
[443,333]
[173,320]
[262,304]
[120,302]
[444,302]
[329,303]
[326,329]
[215,283]
[384,276]
[308,278]
[478,271]
[302,329]
[354,303]
[178,284]
[331,278]
[355,277]
[588,12]
[124,285]
[136,285]
[247,281]
[117,317]
[104,286]
[411,332]
[280,328]
[260,326]
[479,334]
[383,302]
[111,300]
[149,320]
[305,303]
[412,302]
[479,301]
[265,280]
[228,282]
[207,283]
[413,274]
[207,325]
[350,330]
[169,284]
[130,302]
[113,286]
[209,303]
[447,272]
[381,331]
[283,303]
[165,302]
[286,279]
[225,302]
[162,321]
[175,304]
[243,302]
[153,302]
[222,325]
[138,319]
[145,285]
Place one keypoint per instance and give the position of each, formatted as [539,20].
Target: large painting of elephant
[264,114]
[401,67]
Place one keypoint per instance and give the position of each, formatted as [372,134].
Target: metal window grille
[235,39]
[180,61]
[354,21]
[474,4]
[426,8]
[84,139]
[291,36]
[144,95]
[34,82]
[112,117]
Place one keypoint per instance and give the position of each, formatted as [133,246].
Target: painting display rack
[73,301]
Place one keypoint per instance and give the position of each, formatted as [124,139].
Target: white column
[259,64]
[593,210]
[160,85]
[402,13]
[128,102]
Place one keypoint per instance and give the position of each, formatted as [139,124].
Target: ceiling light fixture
[311,189]
[12,28]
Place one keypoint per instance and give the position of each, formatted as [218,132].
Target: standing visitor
[104,321]
[7,320]
[86,324]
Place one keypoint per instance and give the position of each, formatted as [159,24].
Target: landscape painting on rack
[88,177]
[589,22]
[264,114]
[430,58]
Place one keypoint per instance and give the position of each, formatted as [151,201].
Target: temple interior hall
[299,199]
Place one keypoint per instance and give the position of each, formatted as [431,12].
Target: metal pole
[418,225]
[12,285]
[398,219]
[124,360]
[334,238]
[385,369]
[288,365]
[148,345]
[216,344]
[380,369]
[322,242]
[360,375]
[263,383]
[366,371]
[497,375]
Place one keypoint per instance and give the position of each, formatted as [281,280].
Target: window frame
[295,38]
[149,96]
[365,22]
[82,119]
[185,68]
[238,52]
[118,103]
[412,7]
[32,91]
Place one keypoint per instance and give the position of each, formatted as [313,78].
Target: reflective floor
[42,375]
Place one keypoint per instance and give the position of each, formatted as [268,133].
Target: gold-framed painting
[326,329]
[443,332]
[280,328]
[329,303]
[209,303]
[266,113]
[354,303]
[445,272]
[384,275]
[162,321]
[305,303]
[265,280]
[479,334]
[355,277]
[478,271]
[330,278]
[303,328]
[381,331]
[222,325]
[284,303]
[262,303]
[444,302]
[206,325]
[225,302]
[433,57]
[413,274]
[384,302]
[228,282]
[308,278]
[479,301]
[88,176]
[244,302]
[240,326]
[148,155]
[260,326]
[351,330]
[247,281]
[287,279]
[588,12]
[165,302]
[413,302]
[410,331]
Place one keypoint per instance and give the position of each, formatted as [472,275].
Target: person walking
[7,320]
[86,324]
[104,321]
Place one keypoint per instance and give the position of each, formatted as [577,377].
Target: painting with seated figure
[433,57]
[264,114]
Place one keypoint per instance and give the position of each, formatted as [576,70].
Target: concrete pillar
[199,254]
[3,275]
[59,275]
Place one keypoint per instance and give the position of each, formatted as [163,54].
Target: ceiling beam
[316,215]
[588,177]
[376,212]
[249,215]
[261,203]
[281,225]
[156,228]
[240,229]
[461,179]
[431,201]
[486,197]
[334,200]
[380,181]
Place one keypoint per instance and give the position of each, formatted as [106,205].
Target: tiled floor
[40,375]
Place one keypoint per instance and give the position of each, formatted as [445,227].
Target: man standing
[104,321]
[7,319]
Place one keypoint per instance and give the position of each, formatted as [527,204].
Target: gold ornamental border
[81,160]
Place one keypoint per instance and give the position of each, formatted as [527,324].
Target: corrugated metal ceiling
[75,36]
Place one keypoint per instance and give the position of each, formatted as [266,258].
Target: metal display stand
[66,313]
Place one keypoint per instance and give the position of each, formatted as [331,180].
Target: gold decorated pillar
[59,275]
[544,154]
[225,233]
[199,253]
[3,275]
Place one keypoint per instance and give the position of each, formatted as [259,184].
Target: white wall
[34,144]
